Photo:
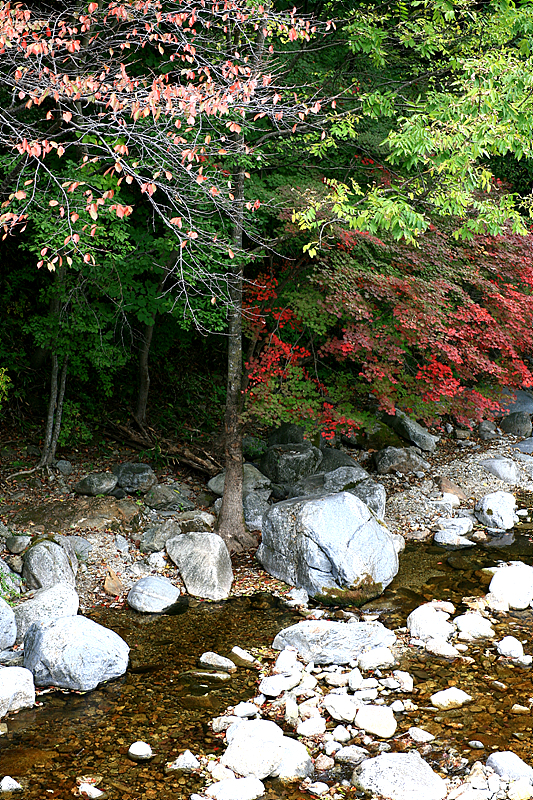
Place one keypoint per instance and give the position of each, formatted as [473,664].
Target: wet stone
[215,661]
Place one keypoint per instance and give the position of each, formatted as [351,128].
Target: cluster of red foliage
[435,329]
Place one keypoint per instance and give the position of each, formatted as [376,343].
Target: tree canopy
[348,181]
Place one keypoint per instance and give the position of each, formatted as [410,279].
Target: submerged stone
[325,642]
[400,776]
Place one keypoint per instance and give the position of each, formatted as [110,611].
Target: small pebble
[89,790]
[420,735]
[318,788]
[140,751]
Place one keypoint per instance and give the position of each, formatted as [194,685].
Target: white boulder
[257,748]
[509,766]
[16,689]
[400,776]
[204,563]
[236,789]
[441,647]
[510,647]
[513,584]
[74,653]
[377,720]
[378,657]
[313,726]
[497,510]
[450,698]
[331,545]
[503,468]
[153,594]
[46,605]
[473,625]
[430,621]
[326,642]
[8,626]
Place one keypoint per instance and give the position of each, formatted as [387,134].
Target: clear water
[159,701]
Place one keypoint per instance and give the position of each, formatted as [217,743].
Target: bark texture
[144,375]
[231,518]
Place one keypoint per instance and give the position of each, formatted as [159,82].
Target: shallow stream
[159,701]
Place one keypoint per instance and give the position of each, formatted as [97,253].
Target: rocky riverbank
[321,705]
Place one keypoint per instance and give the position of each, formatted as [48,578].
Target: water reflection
[74,734]
[161,701]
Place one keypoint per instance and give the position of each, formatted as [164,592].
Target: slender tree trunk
[144,375]
[231,518]
[231,524]
[58,382]
[59,410]
[49,427]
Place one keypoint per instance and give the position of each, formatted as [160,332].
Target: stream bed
[159,701]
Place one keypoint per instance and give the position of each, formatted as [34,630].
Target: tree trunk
[144,375]
[49,427]
[55,411]
[231,518]
[59,411]
[231,524]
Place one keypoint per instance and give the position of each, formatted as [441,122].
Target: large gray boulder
[412,431]
[338,480]
[353,479]
[344,478]
[255,505]
[524,447]
[45,564]
[332,546]
[46,605]
[518,423]
[373,495]
[326,642]
[153,594]
[204,564]
[74,653]
[400,459]
[195,521]
[332,459]
[67,543]
[8,626]
[516,400]
[288,463]
[154,538]
[168,498]
[503,468]
[400,776]
[81,547]
[96,483]
[134,477]
[16,689]
[252,480]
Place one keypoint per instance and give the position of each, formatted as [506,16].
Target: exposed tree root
[145,438]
